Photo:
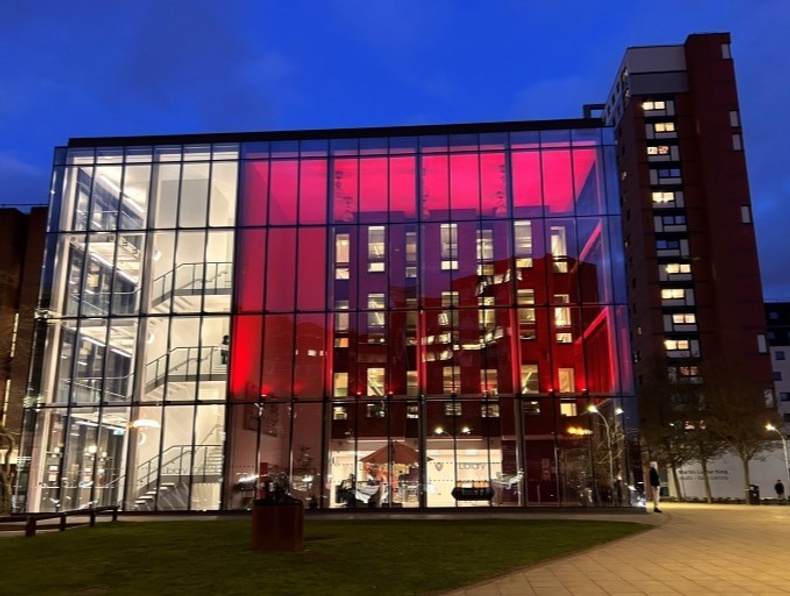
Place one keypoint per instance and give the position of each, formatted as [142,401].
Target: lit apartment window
[450,379]
[375,381]
[649,106]
[658,150]
[449,239]
[341,256]
[485,245]
[686,318]
[376,249]
[562,314]
[376,311]
[677,268]
[676,344]
[529,378]
[489,410]
[663,197]
[453,409]
[378,410]
[523,243]
[411,254]
[565,377]
[673,294]
[489,382]
[525,296]
[485,252]
[412,388]
[339,413]
[559,248]
[564,337]
[341,318]
[341,384]
[526,316]
[664,127]
[568,408]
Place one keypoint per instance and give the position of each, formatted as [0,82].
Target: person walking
[655,486]
[780,491]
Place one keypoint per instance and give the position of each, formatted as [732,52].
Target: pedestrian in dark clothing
[225,349]
[655,486]
[780,491]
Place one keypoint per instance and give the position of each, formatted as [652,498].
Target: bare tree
[662,424]
[738,411]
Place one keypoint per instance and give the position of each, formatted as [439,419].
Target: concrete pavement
[694,549]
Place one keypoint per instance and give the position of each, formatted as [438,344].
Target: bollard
[30,527]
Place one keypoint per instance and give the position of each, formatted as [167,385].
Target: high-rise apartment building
[691,258]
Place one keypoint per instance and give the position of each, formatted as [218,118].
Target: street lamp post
[593,410]
[772,428]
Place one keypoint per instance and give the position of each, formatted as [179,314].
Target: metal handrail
[195,355]
[153,466]
[200,277]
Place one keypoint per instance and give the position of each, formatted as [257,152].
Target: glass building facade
[405,317]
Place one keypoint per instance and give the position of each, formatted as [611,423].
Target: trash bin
[754,495]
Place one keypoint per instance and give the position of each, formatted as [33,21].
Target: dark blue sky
[87,68]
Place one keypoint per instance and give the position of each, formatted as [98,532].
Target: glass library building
[411,317]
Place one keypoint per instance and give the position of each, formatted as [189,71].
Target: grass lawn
[348,558]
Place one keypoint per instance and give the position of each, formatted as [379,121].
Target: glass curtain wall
[393,322]
[128,391]
[426,321]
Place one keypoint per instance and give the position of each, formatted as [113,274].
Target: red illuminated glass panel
[281,270]
[283,192]
[590,192]
[345,190]
[403,189]
[310,355]
[250,259]
[245,357]
[254,199]
[527,185]
[373,175]
[493,185]
[311,270]
[464,186]
[435,187]
[600,349]
[557,181]
[278,355]
[312,191]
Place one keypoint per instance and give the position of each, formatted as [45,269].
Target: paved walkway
[693,550]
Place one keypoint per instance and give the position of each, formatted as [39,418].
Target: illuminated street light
[772,428]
